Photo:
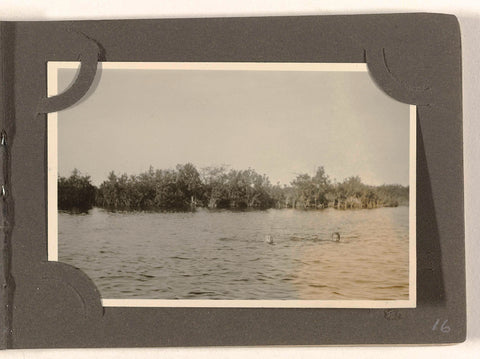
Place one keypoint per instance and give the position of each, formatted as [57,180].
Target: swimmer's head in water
[336,237]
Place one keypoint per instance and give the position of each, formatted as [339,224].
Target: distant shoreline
[185,189]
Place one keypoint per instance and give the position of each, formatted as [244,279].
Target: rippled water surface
[224,254]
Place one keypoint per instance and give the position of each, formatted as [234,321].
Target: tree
[189,183]
[215,186]
[305,189]
[322,184]
[76,193]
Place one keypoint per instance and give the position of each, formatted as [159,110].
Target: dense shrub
[76,193]
[185,188]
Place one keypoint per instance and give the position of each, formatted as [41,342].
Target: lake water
[224,255]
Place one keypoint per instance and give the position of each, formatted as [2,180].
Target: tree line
[186,188]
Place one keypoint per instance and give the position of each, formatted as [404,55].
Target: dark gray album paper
[225,181]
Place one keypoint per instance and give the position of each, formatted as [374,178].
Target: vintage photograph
[234,184]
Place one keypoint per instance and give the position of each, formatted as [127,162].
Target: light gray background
[279,123]
[468,13]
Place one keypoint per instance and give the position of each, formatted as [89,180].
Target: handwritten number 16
[444,328]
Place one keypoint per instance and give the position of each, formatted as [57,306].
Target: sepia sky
[280,123]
